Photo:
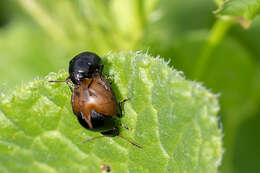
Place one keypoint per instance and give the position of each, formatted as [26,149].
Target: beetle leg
[111,133]
[115,132]
[120,106]
[124,126]
[107,77]
[100,69]
[131,142]
[94,138]
[68,84]
[90,82]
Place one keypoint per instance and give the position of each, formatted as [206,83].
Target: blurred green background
[38,37]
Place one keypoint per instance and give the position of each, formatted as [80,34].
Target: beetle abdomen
[98,122]
[101,122]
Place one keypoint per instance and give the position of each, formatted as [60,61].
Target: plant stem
[216,35]
[141,13]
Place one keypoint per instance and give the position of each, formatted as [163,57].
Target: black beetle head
[84,65]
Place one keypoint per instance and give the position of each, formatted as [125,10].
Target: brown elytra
[94,94]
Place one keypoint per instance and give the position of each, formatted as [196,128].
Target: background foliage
[37,37]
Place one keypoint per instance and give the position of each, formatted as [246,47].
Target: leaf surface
[172,118]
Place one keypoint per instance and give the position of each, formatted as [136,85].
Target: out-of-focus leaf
[174,19]
[172,118]
[248,38]
[4,13]
[25,52]
[99,25]
[247,146]
[244,11]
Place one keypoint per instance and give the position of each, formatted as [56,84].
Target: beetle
[93,100]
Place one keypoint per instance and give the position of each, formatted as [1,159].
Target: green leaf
[248,146]
[231,71]
[244,11]
[172,118]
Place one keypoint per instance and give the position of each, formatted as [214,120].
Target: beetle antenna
[67,80]
[57,81]
[131,142]
[94,138]
[124,126]
[127,140]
